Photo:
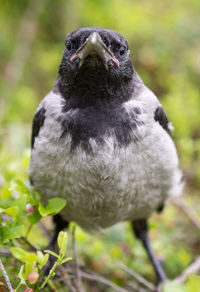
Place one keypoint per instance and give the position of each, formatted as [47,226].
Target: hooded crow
[101,140]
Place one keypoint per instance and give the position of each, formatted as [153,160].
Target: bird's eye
[122,51]
[69,45]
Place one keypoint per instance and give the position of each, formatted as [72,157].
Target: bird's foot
[160,274]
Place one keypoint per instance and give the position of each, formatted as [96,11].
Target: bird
[101,140]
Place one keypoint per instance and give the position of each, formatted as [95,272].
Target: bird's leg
[60,224]
[140,228]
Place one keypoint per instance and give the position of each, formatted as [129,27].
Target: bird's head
[95,60]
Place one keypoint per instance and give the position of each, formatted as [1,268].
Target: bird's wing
[161,117]
[38,121]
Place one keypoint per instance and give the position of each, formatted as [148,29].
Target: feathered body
[103,144]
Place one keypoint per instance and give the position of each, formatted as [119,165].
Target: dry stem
[2,269]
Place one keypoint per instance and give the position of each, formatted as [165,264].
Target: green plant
[31,272]
[20,210]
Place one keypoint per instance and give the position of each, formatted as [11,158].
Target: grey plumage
[100,140]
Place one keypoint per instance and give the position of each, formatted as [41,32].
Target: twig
[89,275]
[69,285]
[95,277]
[52,286]
[78,281]
[5,252]
[138,277]
[29,244]
[61,270]
[193,268]
[181,204]
[136,287]
[6,277]
[65,279]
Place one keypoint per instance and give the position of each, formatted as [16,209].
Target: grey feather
[109,167]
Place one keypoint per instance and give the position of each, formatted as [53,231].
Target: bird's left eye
[122,51]
[69,45]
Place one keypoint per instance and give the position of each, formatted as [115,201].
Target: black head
[95,62]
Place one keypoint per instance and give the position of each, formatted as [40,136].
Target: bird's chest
[93,179]
[90,176]
[103,176]
[97,123]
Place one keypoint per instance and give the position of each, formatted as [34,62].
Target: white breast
[110,185]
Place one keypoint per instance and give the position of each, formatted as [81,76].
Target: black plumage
[37,124]
[104,144]
[161,117]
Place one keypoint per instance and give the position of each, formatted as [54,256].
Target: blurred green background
[164,38]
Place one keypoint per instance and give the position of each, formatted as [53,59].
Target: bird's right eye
[69,45]
[122,51]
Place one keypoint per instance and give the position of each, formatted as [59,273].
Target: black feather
[103,119]
[161,117]
[161,208]
[38,122]
[98,94]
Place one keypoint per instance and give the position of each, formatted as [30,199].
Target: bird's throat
[91,88]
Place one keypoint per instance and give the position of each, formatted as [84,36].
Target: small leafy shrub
[21,209]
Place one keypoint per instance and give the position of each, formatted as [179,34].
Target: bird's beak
[94,44]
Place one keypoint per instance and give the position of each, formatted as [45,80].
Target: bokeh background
[164,39]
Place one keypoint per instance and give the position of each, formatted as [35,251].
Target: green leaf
[19,187]
[193,283]
[5,233]
[2,210]
[12,211]
[6,192]
[17,231]
[62,241]
[46,257]
[31,257]
[20,275]
[171,287]
[34,217]
[12,233]
[51,252]
[53,207]
[66,260]
[36,196]
[23,256]
[42,259]
[20,203]
[28,268]
[19,253]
